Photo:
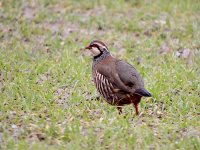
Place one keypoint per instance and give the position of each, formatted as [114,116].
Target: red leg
[136,108]
[119,109]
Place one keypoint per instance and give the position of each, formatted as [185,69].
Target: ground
[47,98]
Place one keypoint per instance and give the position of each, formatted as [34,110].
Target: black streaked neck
[101,56]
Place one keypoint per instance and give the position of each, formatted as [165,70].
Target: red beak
[88,47]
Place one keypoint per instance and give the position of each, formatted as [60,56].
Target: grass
[45,78]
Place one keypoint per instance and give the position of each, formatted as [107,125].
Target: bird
[116,80]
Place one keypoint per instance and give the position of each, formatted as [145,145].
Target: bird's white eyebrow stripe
[100,45]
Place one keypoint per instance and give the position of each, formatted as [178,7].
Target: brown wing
[129,75]
[131,78]
[109,69]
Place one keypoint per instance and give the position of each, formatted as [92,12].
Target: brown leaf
[164,49]
[36,136]
[185,54]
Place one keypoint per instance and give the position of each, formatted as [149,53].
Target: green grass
[45,78]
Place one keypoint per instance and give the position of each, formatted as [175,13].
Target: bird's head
[97,48]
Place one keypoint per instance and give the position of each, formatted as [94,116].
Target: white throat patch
[95,51]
